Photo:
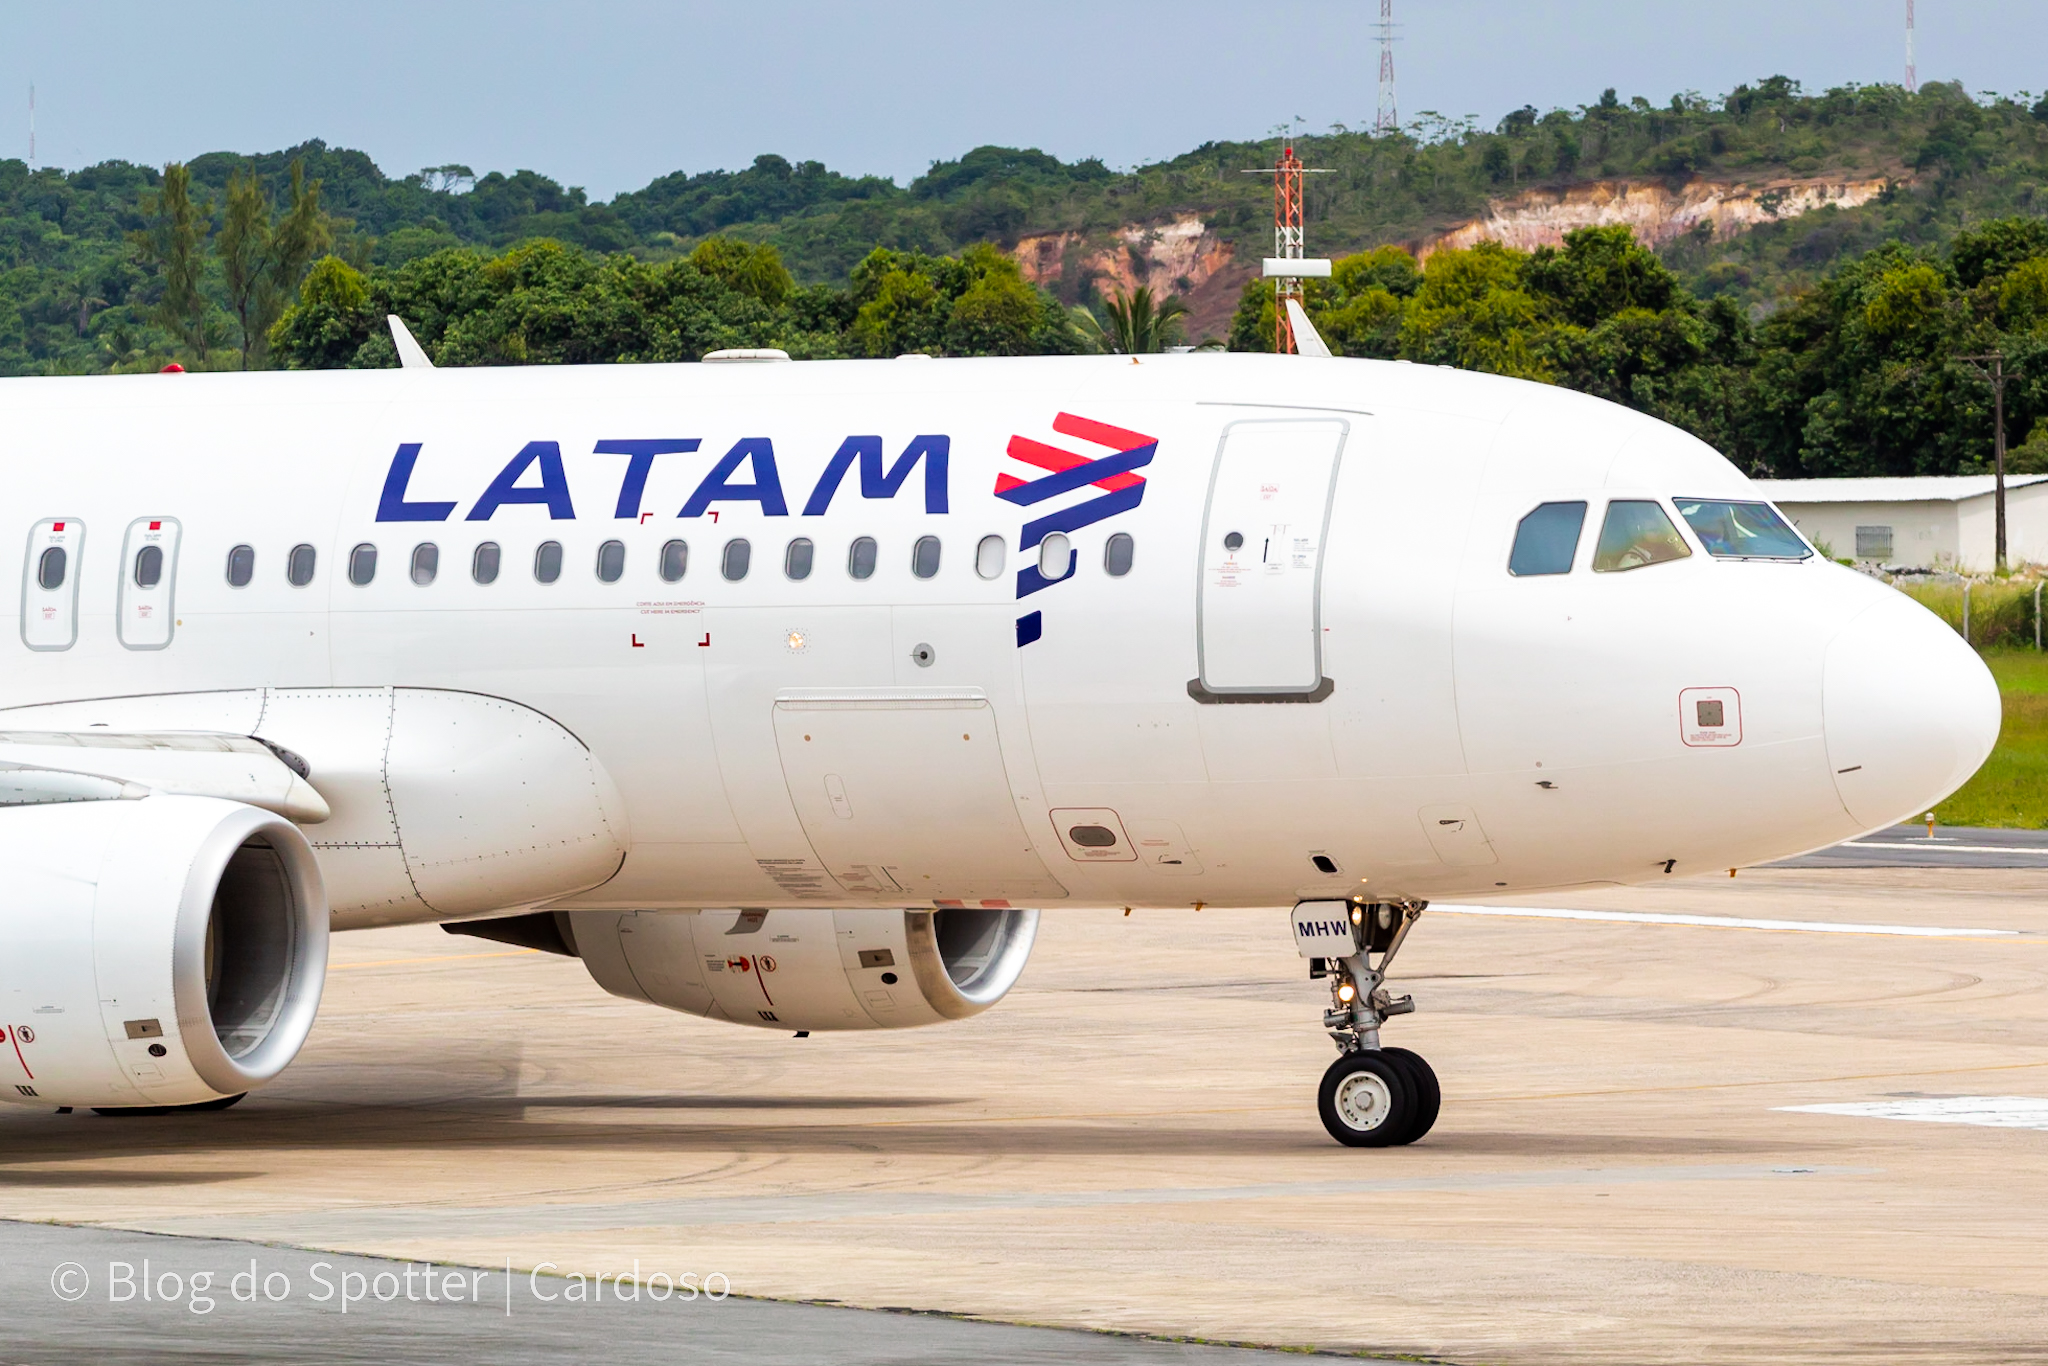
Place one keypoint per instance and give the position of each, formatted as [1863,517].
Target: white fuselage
[1358,699]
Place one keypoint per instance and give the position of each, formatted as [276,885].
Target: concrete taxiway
[1944,846]
[1630,1167]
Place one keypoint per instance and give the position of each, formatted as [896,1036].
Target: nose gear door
[1259,615]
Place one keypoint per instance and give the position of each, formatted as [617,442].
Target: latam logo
[747,473]
[1120,491]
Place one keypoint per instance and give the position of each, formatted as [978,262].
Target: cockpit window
[1637,532]
[1547,539]
[1742,531]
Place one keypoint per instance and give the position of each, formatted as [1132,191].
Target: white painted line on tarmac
[1928,847]
[1729,922]
[1994,1112]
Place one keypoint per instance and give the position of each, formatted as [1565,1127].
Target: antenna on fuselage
[411,355]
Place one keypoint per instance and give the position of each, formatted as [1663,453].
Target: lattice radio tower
[1912,70]
[1389,119]
[1288,265]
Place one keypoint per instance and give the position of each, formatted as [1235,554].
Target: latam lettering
[746,473]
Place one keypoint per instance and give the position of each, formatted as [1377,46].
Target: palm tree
[1137,325]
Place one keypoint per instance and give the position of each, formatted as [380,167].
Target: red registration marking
[638,643]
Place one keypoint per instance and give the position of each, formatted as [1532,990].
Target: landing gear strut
[1371,1097]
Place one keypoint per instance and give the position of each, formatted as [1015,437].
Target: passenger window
[1055,557]
[547,561]
[675,558]
[50,569]
[1636,533]
[362,564]
[1547,540]
[1117,555]
[924,557]
[1742,531]
[861,557]
[483,565]
[149,567]
[796,561]
[426,562]
[298,566]
[241,566]
[738,555]
[988,557]
[611,561]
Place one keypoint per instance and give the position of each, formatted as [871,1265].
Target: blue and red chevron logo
[1122,490]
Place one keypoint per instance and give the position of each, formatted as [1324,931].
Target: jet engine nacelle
[155,950]
[809,968]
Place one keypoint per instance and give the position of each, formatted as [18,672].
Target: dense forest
[1830,343]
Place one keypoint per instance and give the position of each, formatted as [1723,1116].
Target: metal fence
[1987,612]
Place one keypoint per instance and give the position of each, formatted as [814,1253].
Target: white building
[1925,521]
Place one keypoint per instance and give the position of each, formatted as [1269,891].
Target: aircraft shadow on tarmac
[73,1177]
[500,1123]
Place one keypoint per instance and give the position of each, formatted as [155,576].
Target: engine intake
[802,968]
[154,953]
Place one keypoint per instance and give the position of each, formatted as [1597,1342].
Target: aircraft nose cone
[1910,711]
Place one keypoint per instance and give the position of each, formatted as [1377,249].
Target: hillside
[1749,196]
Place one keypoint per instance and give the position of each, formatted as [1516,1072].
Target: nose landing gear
[1371,1097]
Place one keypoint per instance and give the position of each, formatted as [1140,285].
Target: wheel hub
[1363,1101]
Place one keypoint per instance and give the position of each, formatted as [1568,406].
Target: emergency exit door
[1259,617]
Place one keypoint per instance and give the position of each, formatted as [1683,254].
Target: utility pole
[1991,368]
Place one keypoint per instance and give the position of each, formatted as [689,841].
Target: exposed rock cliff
[1183,256]
[1657,213]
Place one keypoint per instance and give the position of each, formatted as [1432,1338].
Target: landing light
[1347,993]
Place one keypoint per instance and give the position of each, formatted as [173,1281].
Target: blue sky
[608,94]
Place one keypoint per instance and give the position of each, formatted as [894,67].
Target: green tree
[1474,312]
[174,242]
[751,268]
[263,259]
[330,322]
[1137,325]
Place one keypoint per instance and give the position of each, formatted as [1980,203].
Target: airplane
[793,693]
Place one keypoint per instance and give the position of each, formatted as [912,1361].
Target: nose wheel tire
[1429,1096]
[1378,1098]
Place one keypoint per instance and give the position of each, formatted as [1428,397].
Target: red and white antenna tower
[1912,70]
[31,128]
[1389,118]
[1288,264]
[1290,243]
